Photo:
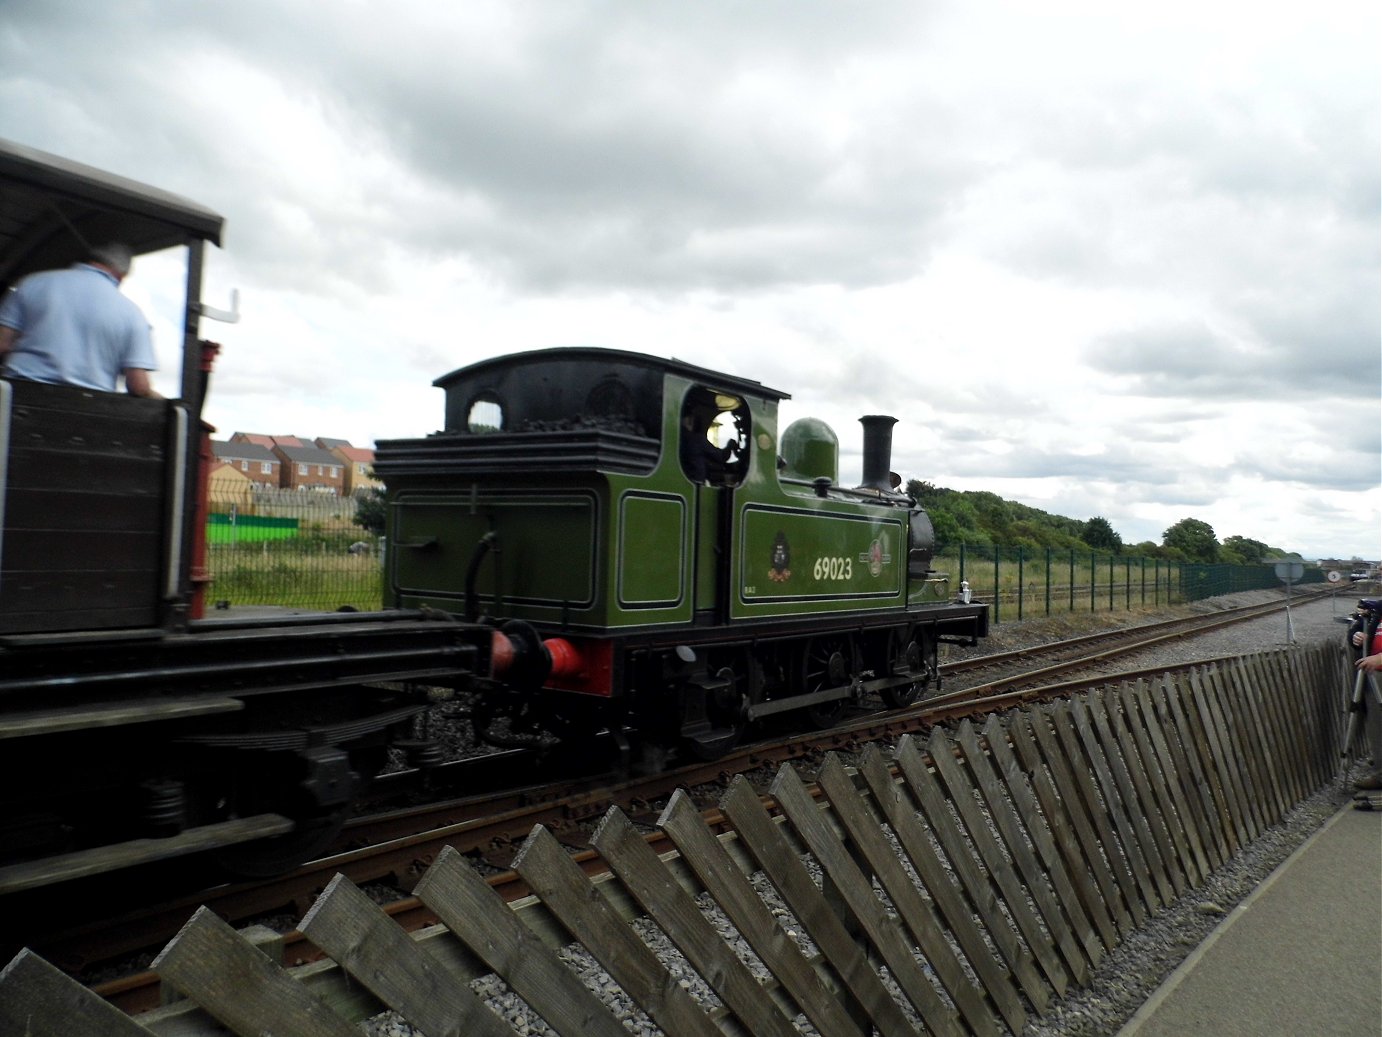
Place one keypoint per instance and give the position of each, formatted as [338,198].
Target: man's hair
[113,254]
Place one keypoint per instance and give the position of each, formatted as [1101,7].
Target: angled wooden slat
[890,798]
[1223,705]
[1049,889]
[789,876]
[479,918]
[568,894]
[1200,748]
[673,909]
[1227,774]
[1271,685]
[915,909]
[1081,743]
[1132,798]
[374,949]
[1161,703]
[210,963]
[983,894]
[1061,799]
[1288,695]
[1016,888]
[1044,833]
[856,890]
[1138,702]
[39,1000]
[1246,717]
[1162,782]
[1140,795]
[732,891]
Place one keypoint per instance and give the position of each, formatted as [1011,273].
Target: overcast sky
[1103,259]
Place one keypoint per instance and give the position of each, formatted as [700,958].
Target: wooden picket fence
[954,887]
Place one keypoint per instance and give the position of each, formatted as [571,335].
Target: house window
[319,469]
[266,468]
[335,471]
[302,469]
[244,466]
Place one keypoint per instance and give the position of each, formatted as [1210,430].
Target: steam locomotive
[595,541]
[654,554]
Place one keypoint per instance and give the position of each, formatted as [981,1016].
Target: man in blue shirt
[73,327]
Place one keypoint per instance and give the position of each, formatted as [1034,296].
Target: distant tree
[369,511]
[1243,551]
[1192,540]
[1099,534]
[1148,549]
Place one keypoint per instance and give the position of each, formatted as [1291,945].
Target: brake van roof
[52,209]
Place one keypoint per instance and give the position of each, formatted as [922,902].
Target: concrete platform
[1301,956]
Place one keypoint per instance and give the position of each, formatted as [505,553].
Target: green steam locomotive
[655,554]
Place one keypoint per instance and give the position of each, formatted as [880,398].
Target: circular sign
[1334,576]
[1289,571]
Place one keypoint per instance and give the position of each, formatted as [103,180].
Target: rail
[1105,807]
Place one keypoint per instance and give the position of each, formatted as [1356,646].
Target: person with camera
[1365,638]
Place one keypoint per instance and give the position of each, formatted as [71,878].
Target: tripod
[1358,705]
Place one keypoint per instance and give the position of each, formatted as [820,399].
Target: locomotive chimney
[878,451]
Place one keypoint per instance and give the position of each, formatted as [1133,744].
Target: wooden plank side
[1162,702]
[549,871]
[39,1000]
[1278,683]
[212,965]
[1261,678]
[1171,766]
[677,914]
[375,950]
[890,799]
[1132,798]
[731,890]
[1081,744]
[865,832]
[1187,719]
[789,876]
[1227,777]
[1048,827]
[1061,799]
[1242,708]
[983,894]
[1059,908]
[1041,941]
[856,890]
[478,917]
[1219,702]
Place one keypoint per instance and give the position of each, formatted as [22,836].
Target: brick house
[253,460]
[310,468]
[358,462]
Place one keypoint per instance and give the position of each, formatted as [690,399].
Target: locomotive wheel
[281,787]
[903,653]
[827,662]
[727,710]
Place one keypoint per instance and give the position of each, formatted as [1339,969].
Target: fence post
[1021,583]
[996,592]
[1093,579]
[1048,582]
[1127,584]
[1072,579]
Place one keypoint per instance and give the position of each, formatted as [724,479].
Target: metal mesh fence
[299,549]
[303,550]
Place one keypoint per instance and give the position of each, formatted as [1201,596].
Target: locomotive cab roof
[564,387]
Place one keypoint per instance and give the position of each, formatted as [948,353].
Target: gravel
[1135,969]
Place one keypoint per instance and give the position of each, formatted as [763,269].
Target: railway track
[391,849]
